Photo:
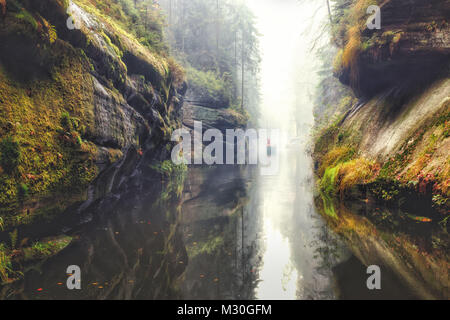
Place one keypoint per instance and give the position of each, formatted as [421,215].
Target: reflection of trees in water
[220,239]
[317,249]
[250,258]
[328,250]
[328,253]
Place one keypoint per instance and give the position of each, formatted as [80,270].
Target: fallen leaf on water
[418,218]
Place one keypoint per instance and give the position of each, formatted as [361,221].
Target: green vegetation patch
[43,146]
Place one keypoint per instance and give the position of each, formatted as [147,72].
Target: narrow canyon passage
[293,232]
[229,231]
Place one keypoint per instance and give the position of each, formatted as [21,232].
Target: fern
[51,31]
[13,237]
[5,264]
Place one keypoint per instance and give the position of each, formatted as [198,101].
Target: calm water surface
[231,234]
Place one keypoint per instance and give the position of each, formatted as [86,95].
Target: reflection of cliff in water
[205,235]
[218,234]
[132,243]
[131,248]
[413,259]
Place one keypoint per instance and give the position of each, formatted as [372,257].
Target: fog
[288,78]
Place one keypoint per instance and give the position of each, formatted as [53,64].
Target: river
[231,234]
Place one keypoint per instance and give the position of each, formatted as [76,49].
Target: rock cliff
[82,102]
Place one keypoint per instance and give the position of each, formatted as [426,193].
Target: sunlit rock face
[412,46]
[211,118]
[132,90]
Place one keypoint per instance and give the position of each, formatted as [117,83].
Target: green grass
[328,181]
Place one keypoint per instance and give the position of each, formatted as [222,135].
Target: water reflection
[296,263]
[413,258]
[216,233]
[131,248]
[231,234]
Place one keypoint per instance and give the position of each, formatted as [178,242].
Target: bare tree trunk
[146,16]
[217,25]
[182,26]
[242,247]
[243,67]
[235,66]
[170,12]
[329,11]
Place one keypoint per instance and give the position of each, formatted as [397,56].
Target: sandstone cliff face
[383,160]
[383,130]
[411,47]
[395,139]
[110,100]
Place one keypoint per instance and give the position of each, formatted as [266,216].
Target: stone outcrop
[123,96]
[412,46]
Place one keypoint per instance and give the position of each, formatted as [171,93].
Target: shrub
[28,17]
[176,72]
[335,156]
[5,264]
[168,168]
[354,172]
[9,154]
[209,87]
[344,176]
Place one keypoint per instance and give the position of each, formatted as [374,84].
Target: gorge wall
[382,140]
[82,102]
[392,127]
